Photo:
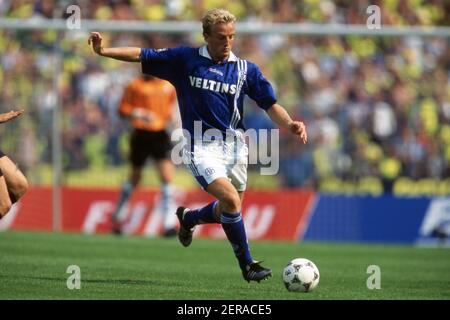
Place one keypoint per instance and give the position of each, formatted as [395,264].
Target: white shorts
[211,160]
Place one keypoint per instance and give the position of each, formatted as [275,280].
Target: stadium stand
[377,109]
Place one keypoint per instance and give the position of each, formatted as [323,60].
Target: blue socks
[201,216]
[233,225]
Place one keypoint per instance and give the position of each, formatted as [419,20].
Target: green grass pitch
[33,265]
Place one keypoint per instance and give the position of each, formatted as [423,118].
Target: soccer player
[13,183]
[148,103]
[211,82]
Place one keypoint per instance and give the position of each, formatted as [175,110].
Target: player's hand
[5,117]
[299,128]
[96,39]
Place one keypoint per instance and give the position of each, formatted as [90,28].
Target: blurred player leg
[5,201]
[166,171]
[139,152]
[119,215]
[15,180]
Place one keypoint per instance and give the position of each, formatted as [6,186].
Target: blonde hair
[216,16]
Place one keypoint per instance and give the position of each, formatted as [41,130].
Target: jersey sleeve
[259,89]
[161,63]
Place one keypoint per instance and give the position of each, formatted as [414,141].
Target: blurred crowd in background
[377,109]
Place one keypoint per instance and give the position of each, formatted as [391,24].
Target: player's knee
[136,178]
[231,203]
[5,206]
[22,188]
[18,191]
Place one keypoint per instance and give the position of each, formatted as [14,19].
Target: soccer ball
[301,275]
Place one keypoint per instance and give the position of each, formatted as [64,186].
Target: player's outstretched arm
[130,54]
[5,117]
[280,116]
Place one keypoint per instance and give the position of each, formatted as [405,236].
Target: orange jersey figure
[148,102]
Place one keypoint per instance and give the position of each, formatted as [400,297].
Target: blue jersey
[210,92]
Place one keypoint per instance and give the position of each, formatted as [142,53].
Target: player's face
[220,41]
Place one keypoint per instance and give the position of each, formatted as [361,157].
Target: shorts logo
[209,171]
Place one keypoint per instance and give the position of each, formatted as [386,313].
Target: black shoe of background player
[170,233]
[116,228]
